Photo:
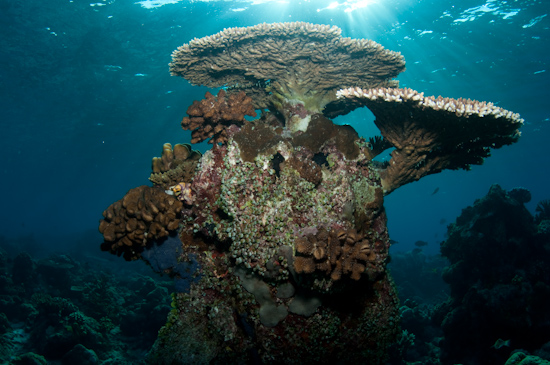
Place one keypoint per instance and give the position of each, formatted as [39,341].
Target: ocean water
[87,99]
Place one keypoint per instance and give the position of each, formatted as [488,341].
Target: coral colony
[283,219]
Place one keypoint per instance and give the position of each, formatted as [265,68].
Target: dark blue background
[87,100]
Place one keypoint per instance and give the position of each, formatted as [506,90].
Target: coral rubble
[281,227]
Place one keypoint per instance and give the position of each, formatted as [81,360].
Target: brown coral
[143,215]
[432,134]
[210,117]
[306,167]
[300,64]
[256,138]
[323,132]
[335,253]
[176,165]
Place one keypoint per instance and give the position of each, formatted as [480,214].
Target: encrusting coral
[210,117]
[301,65]
[432,134]
[143,215]
[283,218]
[337,253]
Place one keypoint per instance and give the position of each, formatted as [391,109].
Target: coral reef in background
[143,215]
[210,117]
[499,279]
[418,276]
[281,226]
[543,211]
[76,312]
[523,358]
[421,291]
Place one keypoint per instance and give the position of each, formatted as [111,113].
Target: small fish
[442,221]
[420,243]
[393,242]
[112,67]
[500,343]
[435,191]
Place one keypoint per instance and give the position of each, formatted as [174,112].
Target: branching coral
[210,117]
[171,157]
[143,215]
[432,134]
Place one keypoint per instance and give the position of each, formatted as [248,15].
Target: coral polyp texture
[143,215]
[283,218]
[210,117]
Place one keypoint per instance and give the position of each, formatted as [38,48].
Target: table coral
[432,134]
[299,66]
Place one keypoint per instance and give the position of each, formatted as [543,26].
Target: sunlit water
[87,99]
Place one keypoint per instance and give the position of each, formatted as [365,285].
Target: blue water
[87,99]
